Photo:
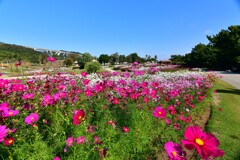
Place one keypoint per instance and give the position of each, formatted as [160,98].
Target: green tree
[177,59]
[86,57]
[73,56]
[227,47]
[68,61]
[114,58]
[92,67]
[104,58]
[133,57]
[202,55]
[122,58]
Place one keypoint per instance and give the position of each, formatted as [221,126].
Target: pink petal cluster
[174,151]
[206,144]
[3,132]
[78,117]
[159,112]
[33,117]
[51,59]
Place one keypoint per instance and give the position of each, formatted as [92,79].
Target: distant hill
[12,52]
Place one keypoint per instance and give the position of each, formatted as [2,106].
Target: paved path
[231,78]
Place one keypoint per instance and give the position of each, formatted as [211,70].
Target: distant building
[165,62]
[75,64]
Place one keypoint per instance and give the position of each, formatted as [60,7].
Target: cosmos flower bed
[110,115]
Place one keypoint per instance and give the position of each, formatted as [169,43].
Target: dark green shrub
[92,67]
[68,62]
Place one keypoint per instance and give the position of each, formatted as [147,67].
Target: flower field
[115,116]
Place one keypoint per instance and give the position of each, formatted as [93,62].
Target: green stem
[193,154]
[10,155]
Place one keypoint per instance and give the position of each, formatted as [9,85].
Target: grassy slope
[225,124]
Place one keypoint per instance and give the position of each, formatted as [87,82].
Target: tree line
[221,53]
[12,53]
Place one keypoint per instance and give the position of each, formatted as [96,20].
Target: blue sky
[155,27]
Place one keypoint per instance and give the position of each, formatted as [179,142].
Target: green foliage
[83,59]
[68,61]
[12,53]
[114,58]
[122,58]
[221,52]
[133,57]
[177,59]
[104,58]
[201,56]
[92,67]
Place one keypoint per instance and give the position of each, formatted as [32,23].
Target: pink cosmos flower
[80,140]
[33,117]
[112,124]
[115,101]
[90,129]
[56,158]
[70,141]
[84,74]
[18,87]
[3,132]
[171,109]
[56,97]
[86,81]
[10,113]
[51,59]
[47,100]
[78,117]
[206,144]
[174,151]
[88,92]
[97,140]
[125,129]
[159,112]
[28,96]
[8,141]
[61,87]
[4,106]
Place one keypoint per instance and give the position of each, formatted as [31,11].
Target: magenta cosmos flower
[8,141]
[33,117]
[80,140]
[10,113]
[57,158]
[3,132]
[51,59]
[78,117]
[125,129]
[206,144]
[70,141]
[174,151]
[159,112]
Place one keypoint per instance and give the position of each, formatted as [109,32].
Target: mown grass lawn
[224,122]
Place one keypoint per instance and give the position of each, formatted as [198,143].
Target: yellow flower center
[160,113]
[32,118]
[199,141]
[10,141]
[10,113]
[80,117]
[173,153]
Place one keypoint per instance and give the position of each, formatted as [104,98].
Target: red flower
[115,101]
[206,144]
[8,141]
[78,117]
